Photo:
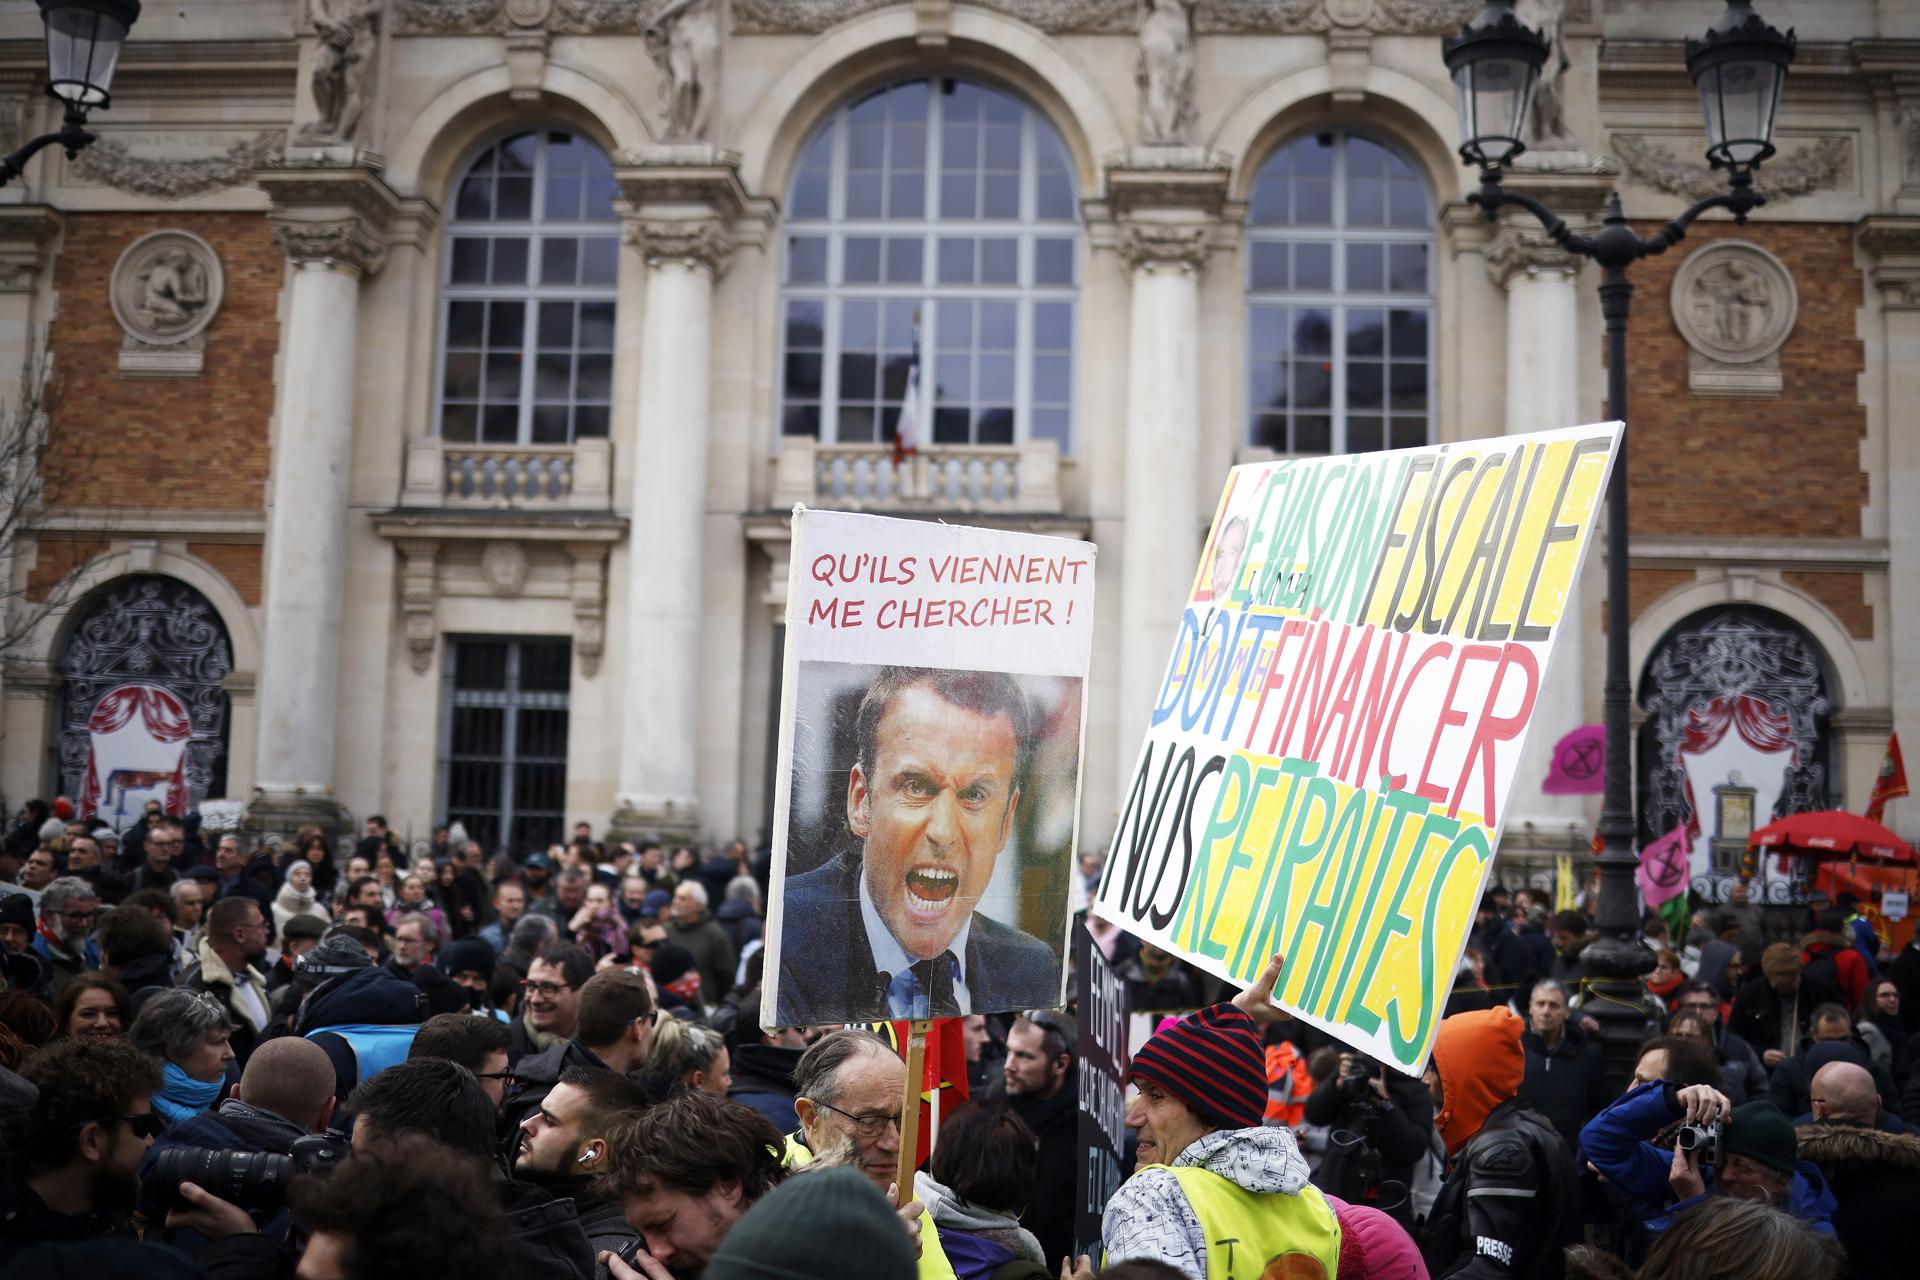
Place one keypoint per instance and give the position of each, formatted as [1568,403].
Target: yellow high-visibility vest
[1260,1237]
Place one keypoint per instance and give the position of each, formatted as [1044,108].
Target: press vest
[1250,1236]
[933,1259]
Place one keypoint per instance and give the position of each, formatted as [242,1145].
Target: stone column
[1542,392]
[1892,246]
[1166,209]
[682,203]
[330,223]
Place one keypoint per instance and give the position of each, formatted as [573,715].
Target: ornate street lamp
[1739,67]
[83,47]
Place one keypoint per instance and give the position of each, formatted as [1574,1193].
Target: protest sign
[1329,754]
[1100,1017]
[931,718]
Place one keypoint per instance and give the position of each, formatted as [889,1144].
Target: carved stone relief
[1826,164]
[1164,73]
[112,162]
[165,291]
[1122,17]
[561,17]
[504,566]
[685,39]
[1735,305]
[341,77]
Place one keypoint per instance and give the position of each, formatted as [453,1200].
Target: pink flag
[1664,869]
[1579,763]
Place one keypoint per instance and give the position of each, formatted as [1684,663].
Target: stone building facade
[431,377]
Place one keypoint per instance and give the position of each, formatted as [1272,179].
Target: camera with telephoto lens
[1702,1140]
[254,1180]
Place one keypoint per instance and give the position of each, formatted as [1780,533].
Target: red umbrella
[1833,832]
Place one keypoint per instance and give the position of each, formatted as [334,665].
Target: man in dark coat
[1875,1180]
[1043,1088]
[1565,1079]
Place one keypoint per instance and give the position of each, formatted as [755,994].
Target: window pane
[903,261]
[599,260]
[805,327]
[857,424]
[513,199]
[469,264]
[994,426]
[1313,267]
[1053,326]
[1312,332]
[510,261]
[1409,382]
[859,325]
[800,420]
[806,259]
[556,324]
[1363,332]
[1267,266]
[1051,379]
[860,260]
[857,377]
[1313,434]
[1366,270]
[505,323]
[475,200]
[466,322]
[1051,424]
[1364,378]
[503,378]
[462,380]
[457,423]
[803,375]
[550,424]
[559,261]
[590,421]
[1407,333]
[1053,261]
[999,261]
[596,326]
[956,261]
[594,374]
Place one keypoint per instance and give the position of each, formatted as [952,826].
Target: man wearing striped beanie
[1208,1170]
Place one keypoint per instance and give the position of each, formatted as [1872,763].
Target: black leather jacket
[1509,1206]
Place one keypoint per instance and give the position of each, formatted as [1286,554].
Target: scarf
[181,1097]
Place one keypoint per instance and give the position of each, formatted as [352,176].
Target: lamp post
[83,47]
[1739,66]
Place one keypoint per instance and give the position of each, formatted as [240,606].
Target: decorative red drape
[1759,728]
[166,720]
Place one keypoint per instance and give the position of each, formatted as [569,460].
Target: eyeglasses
[546,990]
[508,1077]
[77,917]
[149,1125]
[868,1127]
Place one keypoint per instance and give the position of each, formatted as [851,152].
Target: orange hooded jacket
[1480,1064]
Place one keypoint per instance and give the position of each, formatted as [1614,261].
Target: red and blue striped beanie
[1211,1060]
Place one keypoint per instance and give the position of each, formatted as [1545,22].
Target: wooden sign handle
[910,1109]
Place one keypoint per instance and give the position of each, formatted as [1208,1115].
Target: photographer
[1747,1151]
[285,1094]
[1378,1122]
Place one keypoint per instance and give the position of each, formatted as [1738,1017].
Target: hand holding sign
[1257,1000]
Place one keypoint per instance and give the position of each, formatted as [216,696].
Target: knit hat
[469,953]
[1373,1246]
[671,962]
[1761,1131]
[816,1226]
[335,955]
[305,925]
[63,808]
[1212,1061]
[17,908]
[1480,1064]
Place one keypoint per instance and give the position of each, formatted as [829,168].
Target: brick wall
[238,563]
[55,558]
[1785,468]
[1644,586]
[1844,595]
[169,443]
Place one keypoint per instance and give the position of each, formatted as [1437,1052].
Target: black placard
[1101,1014]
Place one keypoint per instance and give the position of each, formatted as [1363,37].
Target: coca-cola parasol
[1832,834]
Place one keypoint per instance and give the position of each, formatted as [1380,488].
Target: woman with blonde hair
[685,1053]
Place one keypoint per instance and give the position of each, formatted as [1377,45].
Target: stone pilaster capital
[685,202]
[27,233]
[1515,254]
[695,241]
[1155,245]
[335,216]
[1891,243]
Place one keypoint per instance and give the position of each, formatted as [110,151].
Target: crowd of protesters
[252,1062]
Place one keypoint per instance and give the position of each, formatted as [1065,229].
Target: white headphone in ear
[585,1159]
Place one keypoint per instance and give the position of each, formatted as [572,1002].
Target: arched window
[143,700]
[533,247]
[1340,299]
[943,209]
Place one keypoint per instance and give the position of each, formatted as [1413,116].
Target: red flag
[944,1072]
[1892,780]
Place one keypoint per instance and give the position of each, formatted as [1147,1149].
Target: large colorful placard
[1330,752]
[931,715]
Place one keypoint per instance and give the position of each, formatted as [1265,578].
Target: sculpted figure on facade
[342,77]
[173,291]
[1735,301]
[684,38]
[1547,118]
[1165,72]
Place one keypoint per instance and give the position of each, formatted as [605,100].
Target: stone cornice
[1188,179]
[334,216]
[1892,243]
[686,203]
[27,233]
[696,241]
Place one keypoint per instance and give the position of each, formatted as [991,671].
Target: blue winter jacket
[1613,1142]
